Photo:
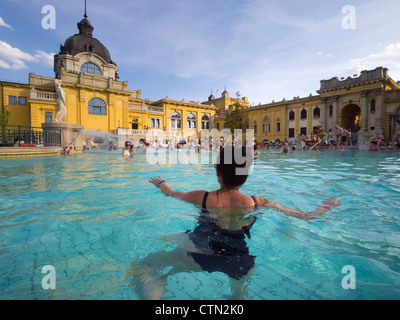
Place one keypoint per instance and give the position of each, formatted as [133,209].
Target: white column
[335,115]
[364,110]
[323,114]
[378,110]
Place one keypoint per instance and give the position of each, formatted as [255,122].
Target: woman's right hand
[156,181]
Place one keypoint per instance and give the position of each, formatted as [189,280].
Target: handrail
[322,139]
[11,135]
[12,126]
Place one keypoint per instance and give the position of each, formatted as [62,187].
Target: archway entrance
[351,117]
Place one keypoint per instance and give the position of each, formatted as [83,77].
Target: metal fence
[28,136]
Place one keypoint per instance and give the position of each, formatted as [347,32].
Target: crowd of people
[180,144]
[337,139]
[340,137]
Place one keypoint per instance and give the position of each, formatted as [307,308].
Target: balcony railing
[28,136]
[146,108]
[44,96]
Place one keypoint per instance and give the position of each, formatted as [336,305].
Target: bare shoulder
[261,201]
[193,196]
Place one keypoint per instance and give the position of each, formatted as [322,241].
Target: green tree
[4,117]
[236,118]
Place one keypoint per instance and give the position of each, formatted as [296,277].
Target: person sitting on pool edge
[396,136]
[218,242]
[375,142]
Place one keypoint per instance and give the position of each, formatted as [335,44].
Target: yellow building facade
[98,100]
[222,107]
[368,101]
[95,98]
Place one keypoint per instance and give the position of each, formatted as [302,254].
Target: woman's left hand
[332,203]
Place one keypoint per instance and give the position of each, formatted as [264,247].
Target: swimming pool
[93,216]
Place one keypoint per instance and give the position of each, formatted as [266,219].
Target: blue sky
[265,49]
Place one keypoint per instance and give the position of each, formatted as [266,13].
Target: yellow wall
[256,117]
[20,114]
[38,112]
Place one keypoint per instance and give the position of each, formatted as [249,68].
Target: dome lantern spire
[85,15]
[84,42]
[85,28]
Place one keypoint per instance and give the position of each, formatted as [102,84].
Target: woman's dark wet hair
[234,164]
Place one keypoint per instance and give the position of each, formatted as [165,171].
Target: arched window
[291,115]
[97,107]
[317,112]
[90,68]
[191,121]
[373,106]
[205,122]
[176,120]
[303,114]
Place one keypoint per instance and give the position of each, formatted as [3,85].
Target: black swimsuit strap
[203,206]
[255,202]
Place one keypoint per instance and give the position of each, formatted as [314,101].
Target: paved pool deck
[29,152]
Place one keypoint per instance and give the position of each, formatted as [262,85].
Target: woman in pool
[126,152]
[218,242]
[68,149]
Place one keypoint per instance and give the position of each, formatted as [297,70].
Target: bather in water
[218,242]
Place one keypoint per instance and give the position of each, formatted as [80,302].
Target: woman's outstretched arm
[326,205]
[192,196]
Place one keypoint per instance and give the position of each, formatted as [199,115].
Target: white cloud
[15,59]
[293,51]
[389,57]
[3,24]
[47,58]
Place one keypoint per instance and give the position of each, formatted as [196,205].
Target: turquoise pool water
[94,215]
